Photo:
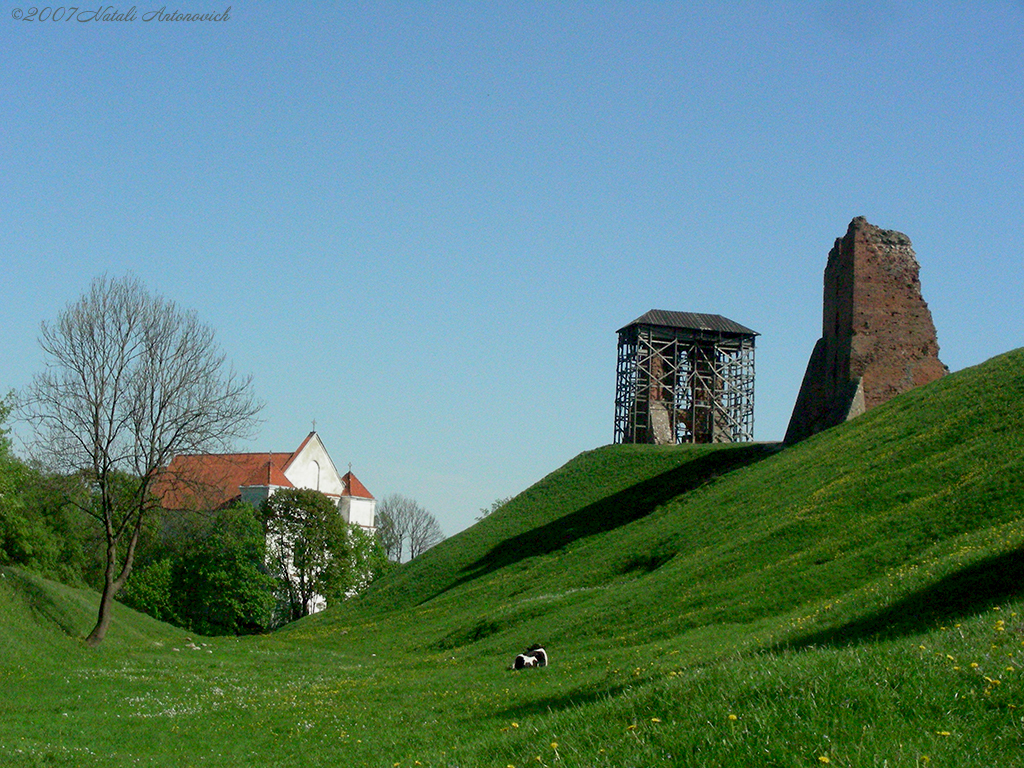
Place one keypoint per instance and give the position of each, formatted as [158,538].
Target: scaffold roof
[693,321]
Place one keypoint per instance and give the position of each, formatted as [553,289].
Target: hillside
[852,599]
[656,541]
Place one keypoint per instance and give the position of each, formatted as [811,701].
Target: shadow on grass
[962,594]
[616,510]
[40,602]
[549,704]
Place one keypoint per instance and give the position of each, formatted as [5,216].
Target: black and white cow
[534,656]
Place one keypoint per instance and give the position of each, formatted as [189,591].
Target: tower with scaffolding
[684,377]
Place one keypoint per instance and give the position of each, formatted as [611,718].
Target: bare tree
[402,521]
[394,513]
[130,381]
[424,532]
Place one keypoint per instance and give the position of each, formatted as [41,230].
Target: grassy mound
[647,543]
[852,599]
[42,623]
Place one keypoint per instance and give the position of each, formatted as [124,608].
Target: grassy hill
[855,599]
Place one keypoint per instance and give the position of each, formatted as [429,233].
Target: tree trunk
[106,598]
[111,585]
[103,619]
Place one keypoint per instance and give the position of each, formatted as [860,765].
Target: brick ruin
[878,339]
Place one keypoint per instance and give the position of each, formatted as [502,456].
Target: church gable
[311,467]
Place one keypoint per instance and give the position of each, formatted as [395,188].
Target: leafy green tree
[207,574]
[221,586]
[151,589]
[10,467]
[305,536]
[363,561]
[314,555]
[16,531]
[37,528]
[495,506]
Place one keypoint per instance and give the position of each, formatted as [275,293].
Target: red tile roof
[208,481]
[211,480]
[267,473]
[355,488]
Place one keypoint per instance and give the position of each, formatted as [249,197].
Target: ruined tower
[684,377]
[878,339]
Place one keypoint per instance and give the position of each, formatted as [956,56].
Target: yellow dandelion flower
[733,717]
[554,745]
[824,759]
[655,719]
[631,727]
[515,725]
[974,665]
[943,733]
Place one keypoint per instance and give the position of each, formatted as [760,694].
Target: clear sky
[421,224]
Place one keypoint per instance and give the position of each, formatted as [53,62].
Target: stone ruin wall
[878,339]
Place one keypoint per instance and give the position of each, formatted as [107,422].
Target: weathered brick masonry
[878,339]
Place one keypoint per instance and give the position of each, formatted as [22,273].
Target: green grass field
[854,600]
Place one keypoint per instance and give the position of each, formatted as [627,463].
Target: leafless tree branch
[130,381]
[401,521]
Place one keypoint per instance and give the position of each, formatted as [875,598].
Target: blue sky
[421,224]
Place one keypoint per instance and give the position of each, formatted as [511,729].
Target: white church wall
[358,511]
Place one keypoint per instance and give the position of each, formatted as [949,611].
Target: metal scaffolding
[683,377]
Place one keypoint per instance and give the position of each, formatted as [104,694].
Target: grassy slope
[830,597]
[42,622]
[907,485]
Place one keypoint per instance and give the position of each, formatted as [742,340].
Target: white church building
[212,480]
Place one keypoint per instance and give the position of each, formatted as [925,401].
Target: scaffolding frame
[684,384]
